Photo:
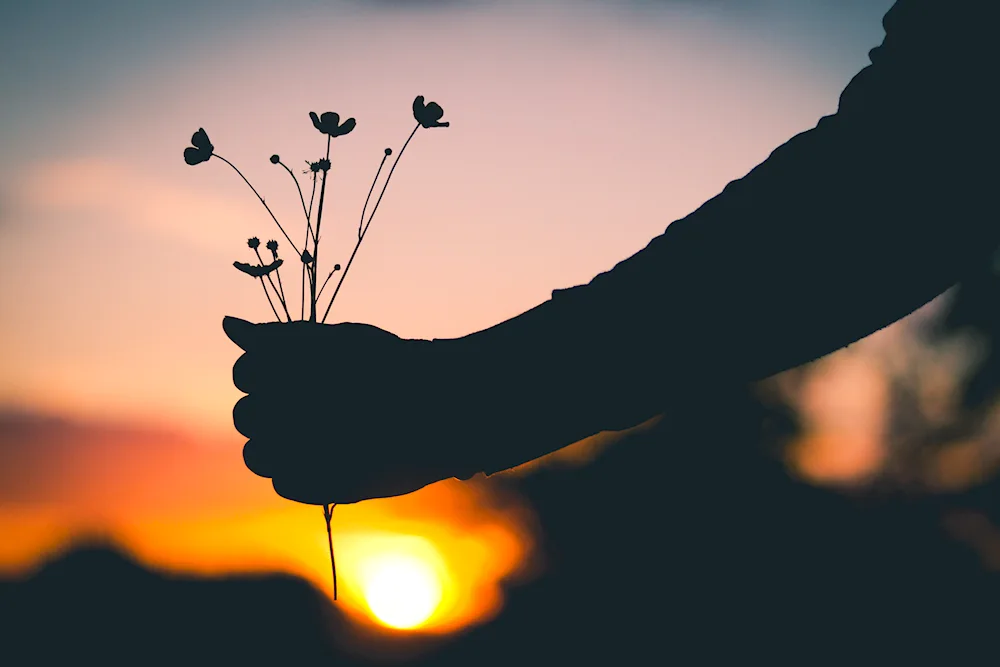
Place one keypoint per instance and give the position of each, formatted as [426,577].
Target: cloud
[99,188]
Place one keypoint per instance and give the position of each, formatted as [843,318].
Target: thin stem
[284,303]
[370,191]
[261,200]
[276,316]
[297,187]
[312,197]
[328,514]
[320,293]
[279,295]
[305,245]
[302,198]
[302,315]
[319,221]
[361,237]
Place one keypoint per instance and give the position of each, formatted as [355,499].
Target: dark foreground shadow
[682,545]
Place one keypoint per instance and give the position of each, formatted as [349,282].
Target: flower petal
[194,156]
[248,269]
[433,112]
[346,127]
[330,119]
[200,140]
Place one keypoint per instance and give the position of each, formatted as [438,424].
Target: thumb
[240,332]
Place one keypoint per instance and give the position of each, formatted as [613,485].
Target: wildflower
[428,115]
[388,152]
[272,245]
[256,270]
[275,159]
[329,124]
[253,243]
[201,150]
[306,257]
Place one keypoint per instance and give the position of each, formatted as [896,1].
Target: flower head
[329,123]
[200,150]
[275,159]
[306,257]
[336,267]
[272,245]
[388,152]
[428,115]
[253,243]
[256,270]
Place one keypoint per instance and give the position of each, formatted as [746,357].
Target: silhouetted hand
[341,413]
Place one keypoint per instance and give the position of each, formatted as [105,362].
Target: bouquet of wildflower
[427,115]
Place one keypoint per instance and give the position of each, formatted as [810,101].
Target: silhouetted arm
[841,231]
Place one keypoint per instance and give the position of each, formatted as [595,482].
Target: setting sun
[401,590]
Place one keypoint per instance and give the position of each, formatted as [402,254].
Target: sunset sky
[579,131]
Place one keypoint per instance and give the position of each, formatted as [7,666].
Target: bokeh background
[579,131]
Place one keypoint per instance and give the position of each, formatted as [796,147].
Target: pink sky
[576,137]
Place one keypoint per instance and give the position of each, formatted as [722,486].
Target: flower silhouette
[253,243]
[201,150]
[256,270]
[306,257]
[329,123]
[428,115]
[272,245]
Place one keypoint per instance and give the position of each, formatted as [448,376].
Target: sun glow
[396,580]
[401,590]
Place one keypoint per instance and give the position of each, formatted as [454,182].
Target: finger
[310,486]
[251,337]
[246,376]
[246,416]
[259,458]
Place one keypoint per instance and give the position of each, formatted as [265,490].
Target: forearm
[841,231]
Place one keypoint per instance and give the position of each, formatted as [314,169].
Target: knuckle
[245,416]
[257,459]
[243,373]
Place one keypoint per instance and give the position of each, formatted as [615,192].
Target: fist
[339,413]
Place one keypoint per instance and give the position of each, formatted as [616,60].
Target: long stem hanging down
[328,514]
[361,236]
[273,217]
[319,221]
